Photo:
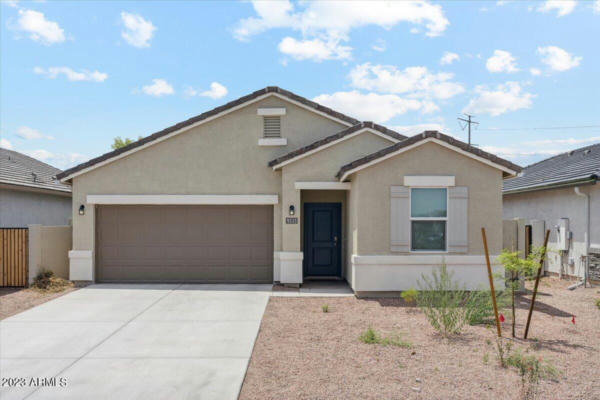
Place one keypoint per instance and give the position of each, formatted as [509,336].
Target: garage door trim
[186,199]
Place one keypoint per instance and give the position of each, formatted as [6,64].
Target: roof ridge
[333,137]
[419,137]
[562,154]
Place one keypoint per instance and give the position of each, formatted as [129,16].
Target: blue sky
[74,75]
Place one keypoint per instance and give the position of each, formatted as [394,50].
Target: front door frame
[337,209]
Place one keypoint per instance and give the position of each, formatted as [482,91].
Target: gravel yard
[16,300]
[303,353]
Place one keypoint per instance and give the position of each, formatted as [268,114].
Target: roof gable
[420,139]
[338,137]
[217,112]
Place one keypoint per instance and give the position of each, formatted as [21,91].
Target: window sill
[272,142]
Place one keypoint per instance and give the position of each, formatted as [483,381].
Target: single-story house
[561,194]
[30,193]
[273,187]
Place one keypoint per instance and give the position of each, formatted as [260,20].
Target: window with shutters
[272,126]
[428,219]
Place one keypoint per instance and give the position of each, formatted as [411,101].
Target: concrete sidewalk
[134,342]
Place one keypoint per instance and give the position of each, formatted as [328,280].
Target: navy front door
[322,239]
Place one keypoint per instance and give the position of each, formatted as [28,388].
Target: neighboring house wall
[551,205]
[218,157]
[48,249]
[20,208]
[370,219]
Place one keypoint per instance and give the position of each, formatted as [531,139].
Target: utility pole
[469,122]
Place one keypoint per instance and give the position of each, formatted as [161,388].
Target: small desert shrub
[371,337]
[486,358]
[479,307]
[409,296]
[531,369]
[503,349]
[325,308]
[442,300]
[47,282]
[598,303]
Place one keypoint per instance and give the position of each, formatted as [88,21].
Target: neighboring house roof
[21,170]
[423,138]
[209,115]
[566,169]
[330,140]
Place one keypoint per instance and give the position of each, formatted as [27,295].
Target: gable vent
[272,126]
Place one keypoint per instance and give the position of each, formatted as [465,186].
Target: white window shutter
[400,218]
[458,211]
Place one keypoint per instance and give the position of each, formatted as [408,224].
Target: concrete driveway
[133,342]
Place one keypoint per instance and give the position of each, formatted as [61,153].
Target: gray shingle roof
[569,168]
[22,170]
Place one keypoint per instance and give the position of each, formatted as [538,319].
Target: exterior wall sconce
[292,210]
[81,209]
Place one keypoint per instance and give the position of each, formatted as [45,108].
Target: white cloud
[138,31]
[39,28]
[501,61]
[560,142]
[494,102]
[596,7]
[448,58]
[71,75]
[27,133]
[411,130]
[315,49]
[558,59]
[535,71]
[216,91]
[159,88]
[415,81]
[519,152]
[59,160]
[5,144]
[562,7]
[372,106]
[336,19]
[11,3]
[380,45]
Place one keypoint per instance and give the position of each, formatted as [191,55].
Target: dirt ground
[303,353]
[16,300]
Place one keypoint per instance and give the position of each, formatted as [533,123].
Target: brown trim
[423,136]
[213,112]
[335,137]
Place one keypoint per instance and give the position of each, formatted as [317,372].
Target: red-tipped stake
[573,320]
[501,317]
[537,282]
[491,278]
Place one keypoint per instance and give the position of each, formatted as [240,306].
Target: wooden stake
[489,270]
[537,282]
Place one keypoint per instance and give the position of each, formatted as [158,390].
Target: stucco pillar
[290,258]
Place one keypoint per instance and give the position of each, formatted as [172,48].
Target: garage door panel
[185,243]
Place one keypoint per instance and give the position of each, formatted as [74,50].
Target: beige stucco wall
[218,157]
[48,249]
[370,207]
[320,166]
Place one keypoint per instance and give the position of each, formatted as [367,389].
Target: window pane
[428,202]
[428,235]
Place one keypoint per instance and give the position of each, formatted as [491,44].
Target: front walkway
[133,341]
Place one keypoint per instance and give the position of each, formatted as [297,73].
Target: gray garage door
[184,244]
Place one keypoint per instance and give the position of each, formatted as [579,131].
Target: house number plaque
[291,220]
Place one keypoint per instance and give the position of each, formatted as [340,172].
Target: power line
[469,122]
[542,128]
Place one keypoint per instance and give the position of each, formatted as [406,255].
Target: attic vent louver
[272,126]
